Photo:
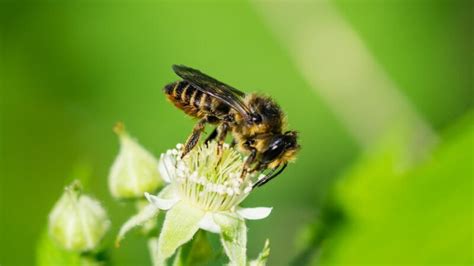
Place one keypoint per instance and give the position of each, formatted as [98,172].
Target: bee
[256,122]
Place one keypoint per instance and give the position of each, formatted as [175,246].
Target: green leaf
[263,256]
[421,215]
[48,253]
[180,225]
[233,237]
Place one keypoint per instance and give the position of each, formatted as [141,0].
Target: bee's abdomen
[189,99]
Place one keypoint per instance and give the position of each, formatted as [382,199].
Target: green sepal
[262,258]
[153,248]
[233,237]
[146,214]
[180,225]
[196,252]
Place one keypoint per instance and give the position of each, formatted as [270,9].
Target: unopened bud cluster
[134,171]
[77,222]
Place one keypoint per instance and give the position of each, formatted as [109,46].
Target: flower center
[209,180]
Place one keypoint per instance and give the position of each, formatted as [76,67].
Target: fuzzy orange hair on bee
[256,122]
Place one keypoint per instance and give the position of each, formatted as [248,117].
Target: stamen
[208,180]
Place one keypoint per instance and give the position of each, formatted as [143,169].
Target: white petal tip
[148,196]
[255,213]
[162,204]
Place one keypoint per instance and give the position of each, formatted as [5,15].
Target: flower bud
[134,171]
[77,222]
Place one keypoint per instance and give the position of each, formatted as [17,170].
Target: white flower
[204,191]
[134,170]
[77,222]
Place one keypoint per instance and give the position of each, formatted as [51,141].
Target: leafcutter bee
[256,122]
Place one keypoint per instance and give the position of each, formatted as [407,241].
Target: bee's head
[282,147]
[265,112]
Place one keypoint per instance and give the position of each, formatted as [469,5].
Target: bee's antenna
[269,176]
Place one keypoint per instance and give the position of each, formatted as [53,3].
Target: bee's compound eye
[276,148]
[256,118]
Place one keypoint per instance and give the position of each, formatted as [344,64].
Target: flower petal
[233,237]
[168,192]
[180,225]
[161,203]
[254,213]
[167,165]
[207,223]
[163,168]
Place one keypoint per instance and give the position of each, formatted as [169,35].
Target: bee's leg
[222,133]
[248,163]
[272,174]
[194,138]
[211,136]
[233,143]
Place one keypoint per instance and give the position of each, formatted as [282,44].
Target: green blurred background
[381,92]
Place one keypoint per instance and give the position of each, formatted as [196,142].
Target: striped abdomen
[193,101]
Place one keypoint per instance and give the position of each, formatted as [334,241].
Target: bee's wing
[206,84]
